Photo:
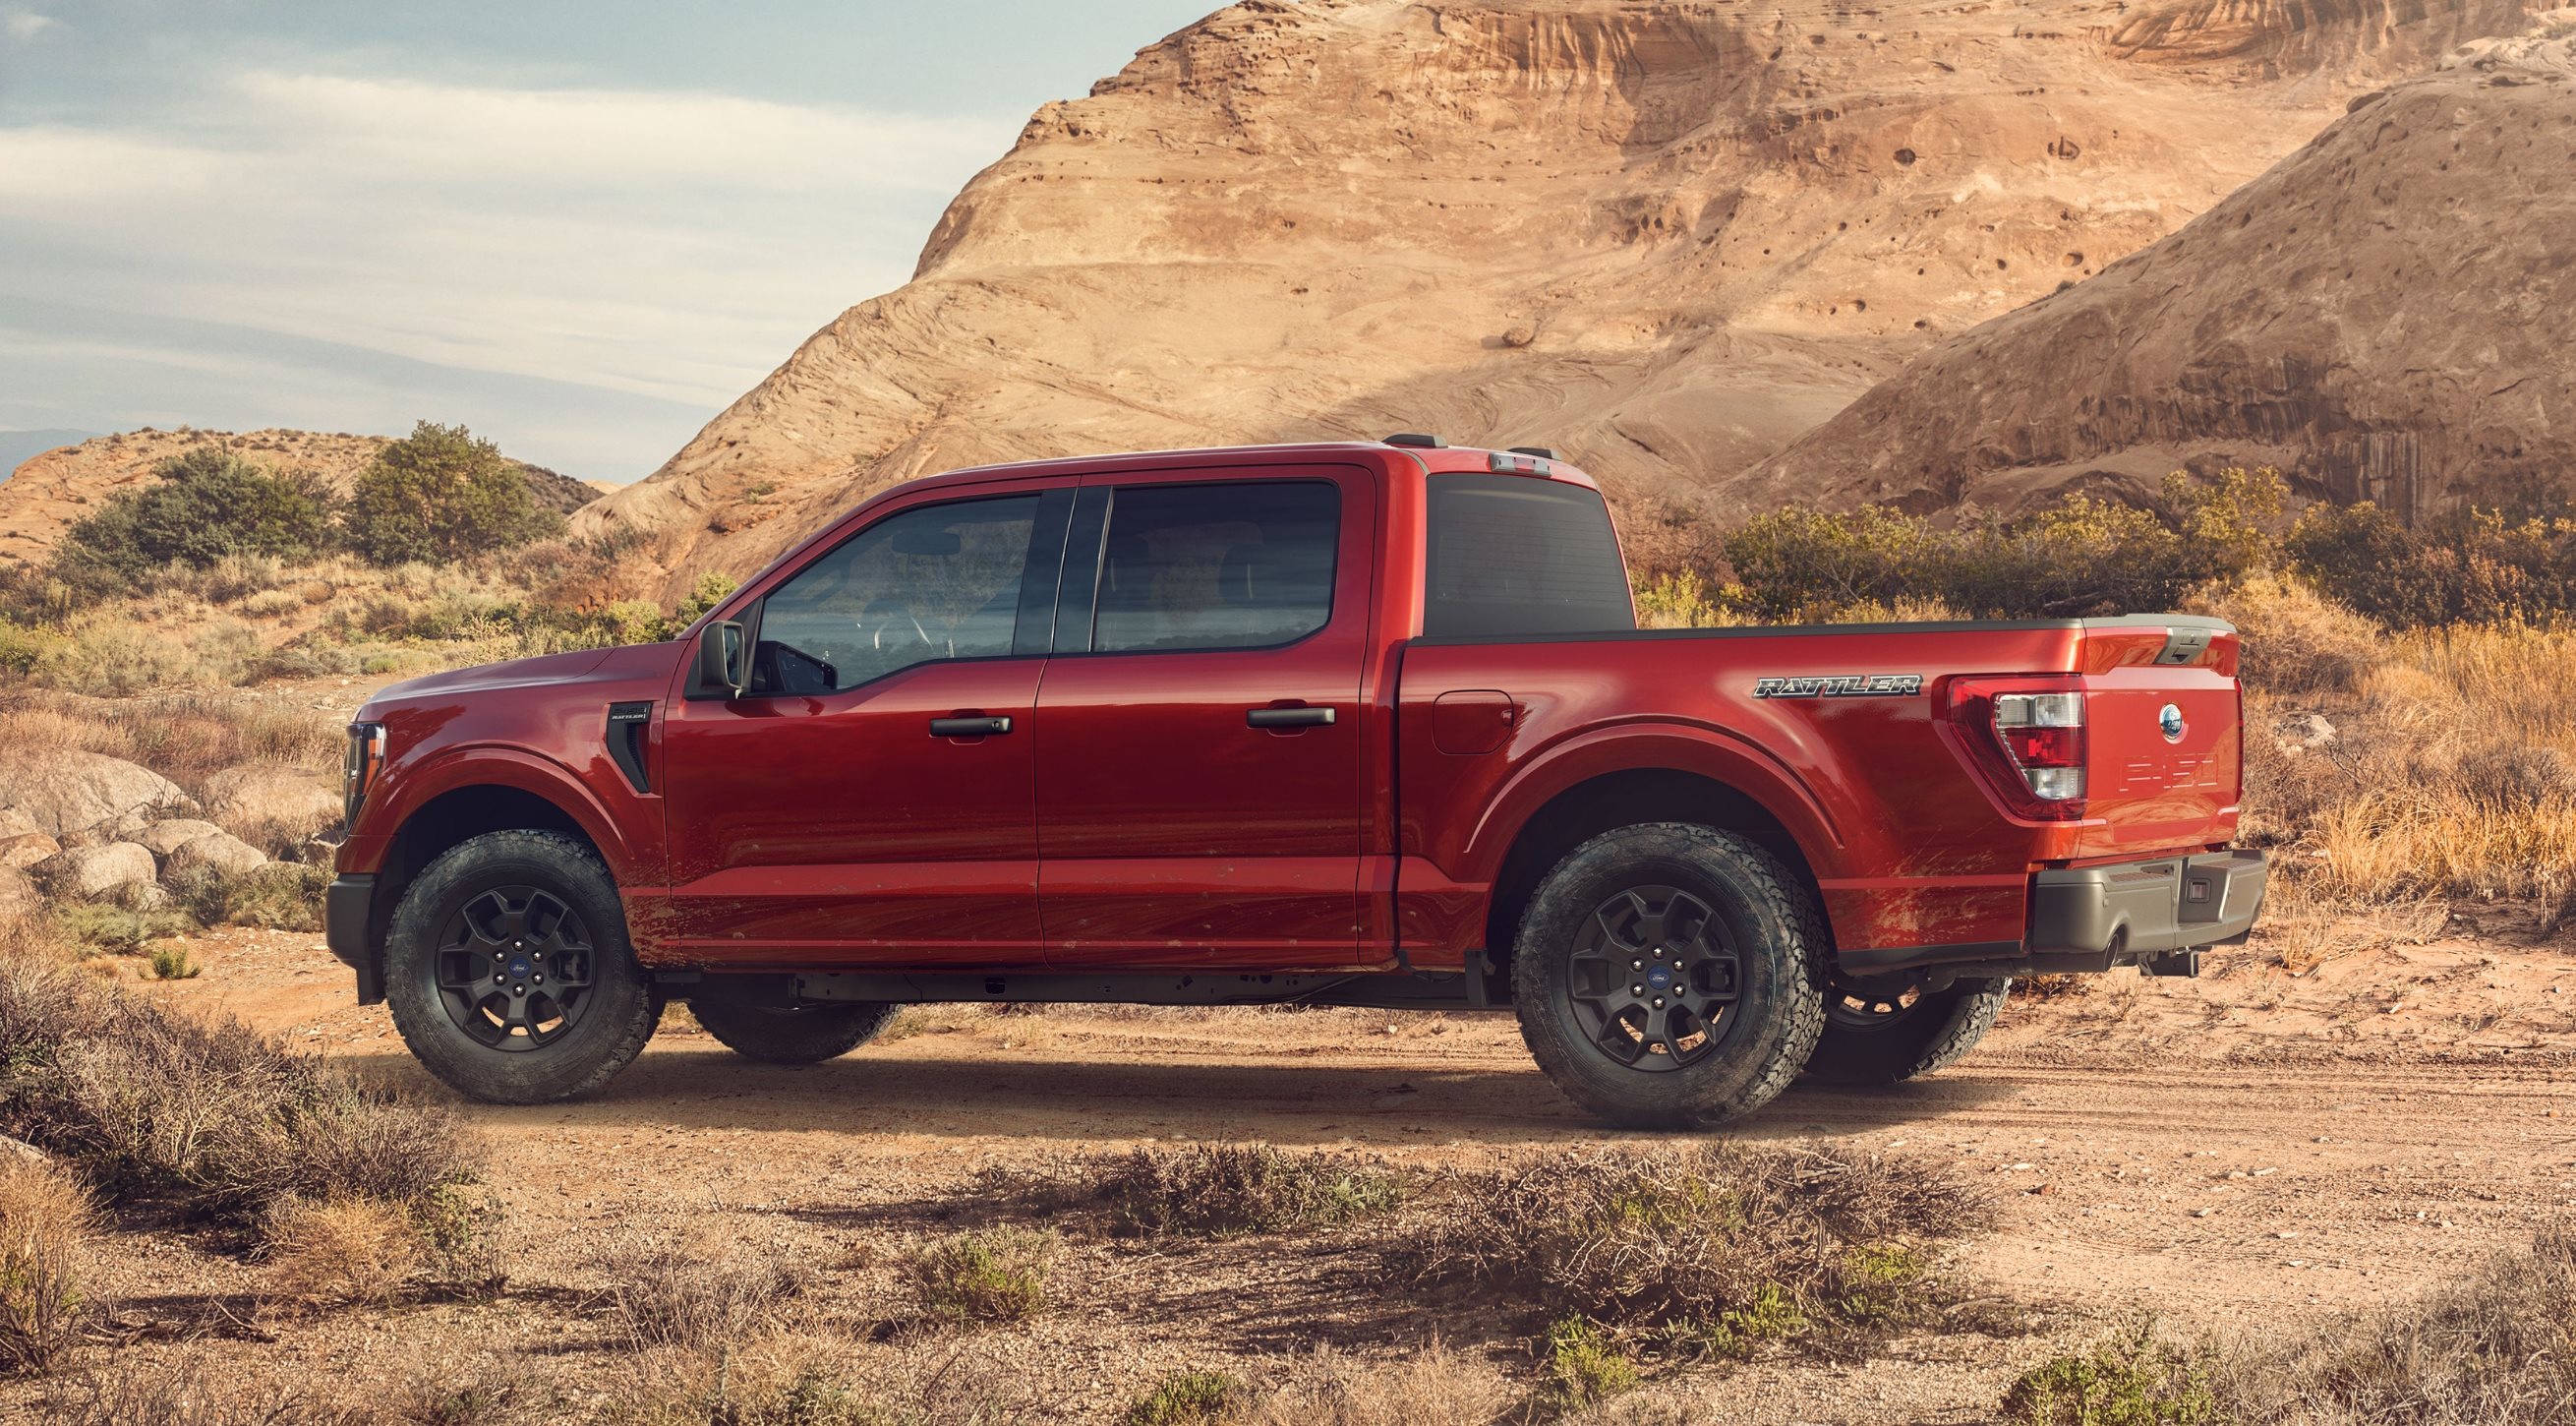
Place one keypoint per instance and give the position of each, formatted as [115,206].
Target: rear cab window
[1511,556]
[1241,565]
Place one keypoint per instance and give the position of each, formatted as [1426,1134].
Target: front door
[1200,769]
[870,801]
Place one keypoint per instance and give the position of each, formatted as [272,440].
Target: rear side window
[1512,556]
[1243,565]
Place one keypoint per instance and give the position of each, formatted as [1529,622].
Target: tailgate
[2164,745]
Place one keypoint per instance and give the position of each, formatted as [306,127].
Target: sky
[581,227]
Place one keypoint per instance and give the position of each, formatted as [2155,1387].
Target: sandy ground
[2239,1153]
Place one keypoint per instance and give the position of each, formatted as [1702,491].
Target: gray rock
[22,842]
[221,852]
[270,803]
[119,871]
[64,790]
[169,836]
[19,897]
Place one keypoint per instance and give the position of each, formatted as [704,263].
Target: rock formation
[1666,239]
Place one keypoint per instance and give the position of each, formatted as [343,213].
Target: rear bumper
[348,909]
[2155,914]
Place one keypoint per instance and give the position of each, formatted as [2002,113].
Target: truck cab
[1354,723]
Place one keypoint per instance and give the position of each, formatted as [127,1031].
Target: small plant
[278,896]
[1230,1189]
[1191,1399]
[1584,1366]
[701,1296]
[340,1251]
[2131,1378]
[986,1275]
[45,1220]
[172,962]
[104,928]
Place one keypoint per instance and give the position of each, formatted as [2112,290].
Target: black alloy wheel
[514,968]
[1654,974]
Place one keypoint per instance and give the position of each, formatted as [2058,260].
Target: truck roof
[1436,460]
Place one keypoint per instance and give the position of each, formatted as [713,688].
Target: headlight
[366,756]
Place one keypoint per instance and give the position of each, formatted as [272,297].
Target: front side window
[1511,556]
[938,582]
[1243,565]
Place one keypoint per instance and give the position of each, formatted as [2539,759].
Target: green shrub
[1190,1399]
[712,589]
[989,1275]
[2469,567]
[1585,1366]
[280,896]
[438,496]
[2132,1378]
[103,928]
[203,506]
[174,963]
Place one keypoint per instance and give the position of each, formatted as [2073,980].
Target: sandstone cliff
[1666,239]
[2389,314]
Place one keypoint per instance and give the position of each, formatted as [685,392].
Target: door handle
[978,727]
[1289,717]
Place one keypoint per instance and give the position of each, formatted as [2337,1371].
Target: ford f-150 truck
[1338,724]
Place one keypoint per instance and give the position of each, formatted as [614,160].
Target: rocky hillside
[1666,239]
[2389,314]
[51,491]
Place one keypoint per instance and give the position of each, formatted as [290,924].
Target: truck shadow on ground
[1088,1102]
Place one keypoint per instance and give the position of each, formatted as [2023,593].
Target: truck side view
[1339,724]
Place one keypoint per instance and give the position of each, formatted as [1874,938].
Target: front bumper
[2156,914]
[348,911]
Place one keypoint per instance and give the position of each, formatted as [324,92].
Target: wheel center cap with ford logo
[2170,719]
[519,967]
[1661,977]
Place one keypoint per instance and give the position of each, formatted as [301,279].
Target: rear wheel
[1663,976]
[801,1035]
[1882,1029]
[508,971]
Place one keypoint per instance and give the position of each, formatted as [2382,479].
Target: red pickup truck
[1341,724]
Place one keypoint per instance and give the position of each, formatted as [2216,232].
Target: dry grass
[1432,1385]
[340,1251]
[211,1118]
[985,1275]
[1211,1191]
[46,1218]
[185,739]
[192,1387]
[701,1295]
[1716,1249]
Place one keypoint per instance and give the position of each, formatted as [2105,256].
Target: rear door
[1200,759]
[871,802]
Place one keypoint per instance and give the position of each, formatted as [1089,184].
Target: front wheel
[508,970]
[1880,1031]
[1664,976]
[802,1035]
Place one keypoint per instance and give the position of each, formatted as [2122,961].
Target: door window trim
[1078,605]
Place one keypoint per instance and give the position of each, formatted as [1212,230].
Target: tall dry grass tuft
[700,1295]
[1209,1190]
[1433,1385]
[340,1251]
[46,1218]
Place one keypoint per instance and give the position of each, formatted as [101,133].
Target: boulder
[19,897]
[119,871]
[65,791]
[267,804]
[221,852]
[22,842]
[169,836]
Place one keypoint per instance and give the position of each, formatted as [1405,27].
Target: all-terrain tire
[501,903]
[802,1035]
[1712,933]
[1874,1040]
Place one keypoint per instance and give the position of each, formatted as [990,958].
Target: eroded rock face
[1663,239]
[119,871]
[65,792]
[2388,315]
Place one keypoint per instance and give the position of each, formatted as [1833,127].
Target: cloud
[668,245]
[22,26]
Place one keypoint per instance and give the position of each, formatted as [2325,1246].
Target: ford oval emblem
[2170,719]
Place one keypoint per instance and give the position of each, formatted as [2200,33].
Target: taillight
[2025,736]
[366,756]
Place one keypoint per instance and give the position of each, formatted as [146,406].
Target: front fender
[407,788]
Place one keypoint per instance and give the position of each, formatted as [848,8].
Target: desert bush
[46,1218]
[2296,642]
[700,1295]
[340,1250]
[189,1387]
[1585,1366]
[1195,1398]
[201,507]
[103,928]
[1219,1191]
[1714,1246]
[174,963]
[2134,1377]
[441,495]
[1431,1385]
[983,1275]
[281,896]
[2468,567]
[211,1118]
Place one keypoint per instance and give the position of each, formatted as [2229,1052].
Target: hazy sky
[580,227]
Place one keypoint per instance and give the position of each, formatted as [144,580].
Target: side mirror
[721,661]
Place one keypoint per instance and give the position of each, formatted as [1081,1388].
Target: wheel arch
[452,817]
